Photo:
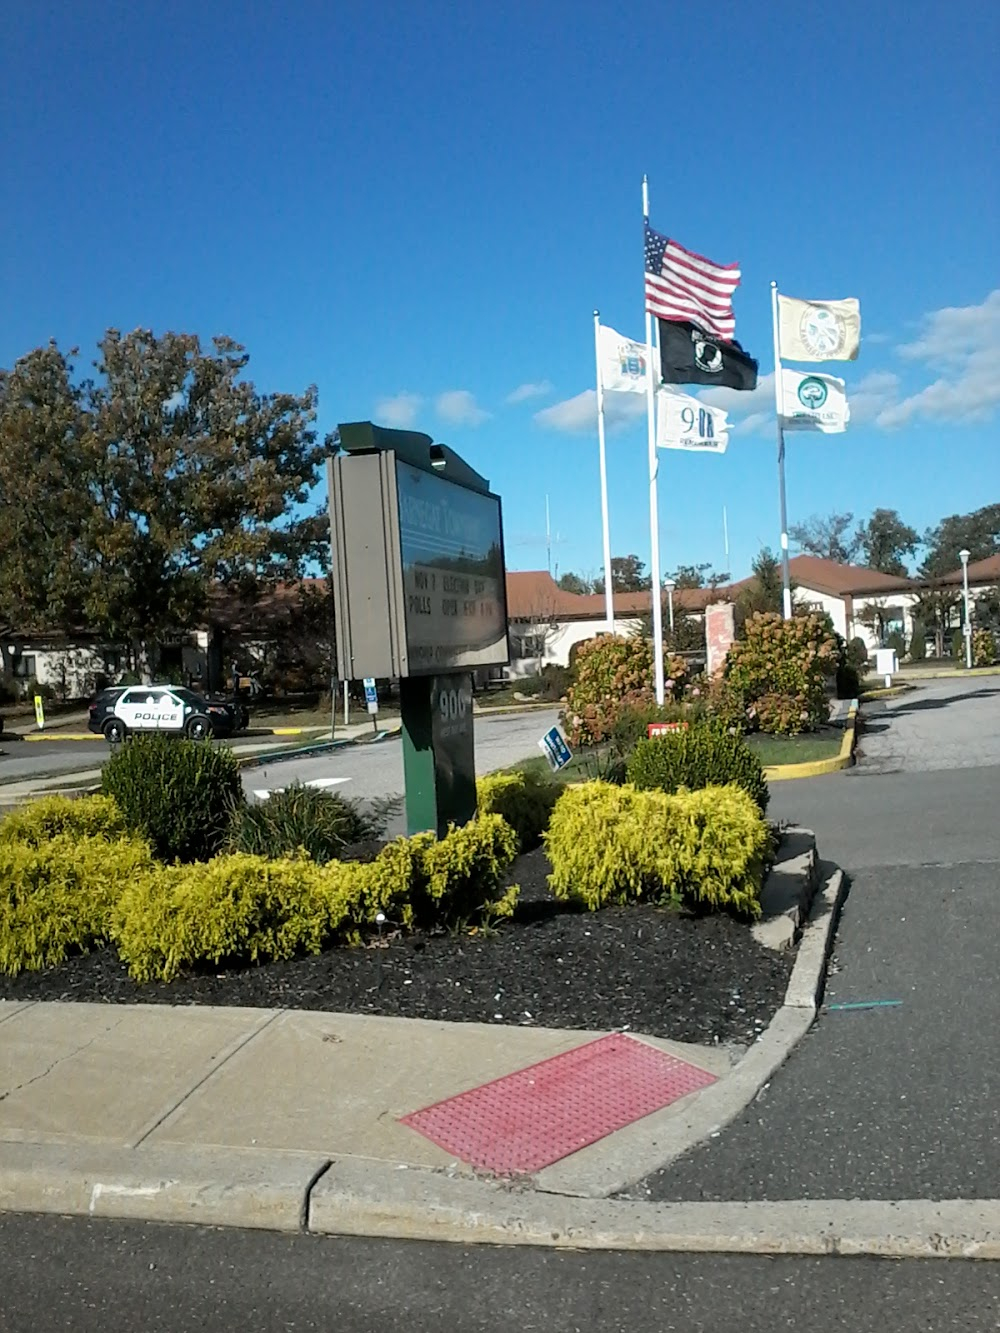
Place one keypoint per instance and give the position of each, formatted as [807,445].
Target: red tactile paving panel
[530,1119]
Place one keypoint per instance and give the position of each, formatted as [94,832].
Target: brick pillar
[720,631]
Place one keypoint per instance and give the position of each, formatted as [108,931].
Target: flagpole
[609,602]
[654,508]
[786,581]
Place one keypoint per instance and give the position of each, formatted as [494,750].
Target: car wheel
[199,729]
[115,731]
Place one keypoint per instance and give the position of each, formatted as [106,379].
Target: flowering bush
[676,676]
[984,648]
[723,701]
[610,675]
[780,668]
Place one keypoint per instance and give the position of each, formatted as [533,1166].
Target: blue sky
[417,205]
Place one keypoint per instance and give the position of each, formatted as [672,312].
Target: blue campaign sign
[557,752]
[371,694]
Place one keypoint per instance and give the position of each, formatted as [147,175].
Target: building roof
[837,580]
[980,571]
[533,594]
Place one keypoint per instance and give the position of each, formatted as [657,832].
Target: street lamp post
[670,585]
[967,627]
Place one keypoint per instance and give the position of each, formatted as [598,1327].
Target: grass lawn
[795,749]
[583,767]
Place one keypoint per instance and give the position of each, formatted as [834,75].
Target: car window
[134,697]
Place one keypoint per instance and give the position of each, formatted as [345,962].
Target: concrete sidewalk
[288,1120]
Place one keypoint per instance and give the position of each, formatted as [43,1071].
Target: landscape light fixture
[670,585]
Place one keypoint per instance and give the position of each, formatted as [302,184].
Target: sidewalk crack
[61,1059]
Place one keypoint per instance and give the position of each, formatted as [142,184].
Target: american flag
[681,285]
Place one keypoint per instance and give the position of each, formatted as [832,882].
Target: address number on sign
[453,705]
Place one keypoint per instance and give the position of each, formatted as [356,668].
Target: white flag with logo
[682,422]
[623,363]
[813,402]
[819,330]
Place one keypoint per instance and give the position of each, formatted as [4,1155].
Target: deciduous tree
[829,537]
[884,541]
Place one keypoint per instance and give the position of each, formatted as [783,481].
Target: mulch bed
[658,971]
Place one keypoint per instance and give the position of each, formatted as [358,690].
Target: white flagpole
[609,601]
[654,508]
[786,582]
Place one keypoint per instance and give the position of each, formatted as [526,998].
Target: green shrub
[252,909]
[319,823]
[610,674]
[984,648]
[848,681]
[234,908]
[524,800]
[705,755]
[896,641]
[918,642]
[555,682]
[857,655]
[958,646]
[50,816]
[780,668]
[632,724]
[179,794]
[611,845]
[57,894]
[461,874]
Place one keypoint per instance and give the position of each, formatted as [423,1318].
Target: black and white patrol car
[117,713]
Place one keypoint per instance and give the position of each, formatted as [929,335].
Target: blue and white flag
[813,402]
[683,422]
[623,362]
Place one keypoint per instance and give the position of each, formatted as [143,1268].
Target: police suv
[171,709]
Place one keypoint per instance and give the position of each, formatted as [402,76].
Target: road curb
[819,767]
[293,1192]
[351,1199]
[222,1187]
[310,751]
[893,692]
[613,1165]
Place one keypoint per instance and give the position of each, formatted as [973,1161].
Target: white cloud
[400,410]
[459,408]
[875,339]
[956,332]
[963,344]
[873,394]
[577,416]
[524,392]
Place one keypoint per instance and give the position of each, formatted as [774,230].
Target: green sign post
[420,595]
[439,758]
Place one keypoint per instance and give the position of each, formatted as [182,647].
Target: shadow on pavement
[924,705]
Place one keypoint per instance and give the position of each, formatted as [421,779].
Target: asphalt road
[88,1276]
[364,772]
[360,771]
[896,1101]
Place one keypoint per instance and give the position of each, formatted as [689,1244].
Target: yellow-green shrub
[611,844]
[461,875]
[56,895]
[233,907]
[245,908]
[522,799]
[89,817]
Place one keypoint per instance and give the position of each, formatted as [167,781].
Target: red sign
[664,728]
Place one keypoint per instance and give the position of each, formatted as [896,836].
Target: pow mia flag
[690,356]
